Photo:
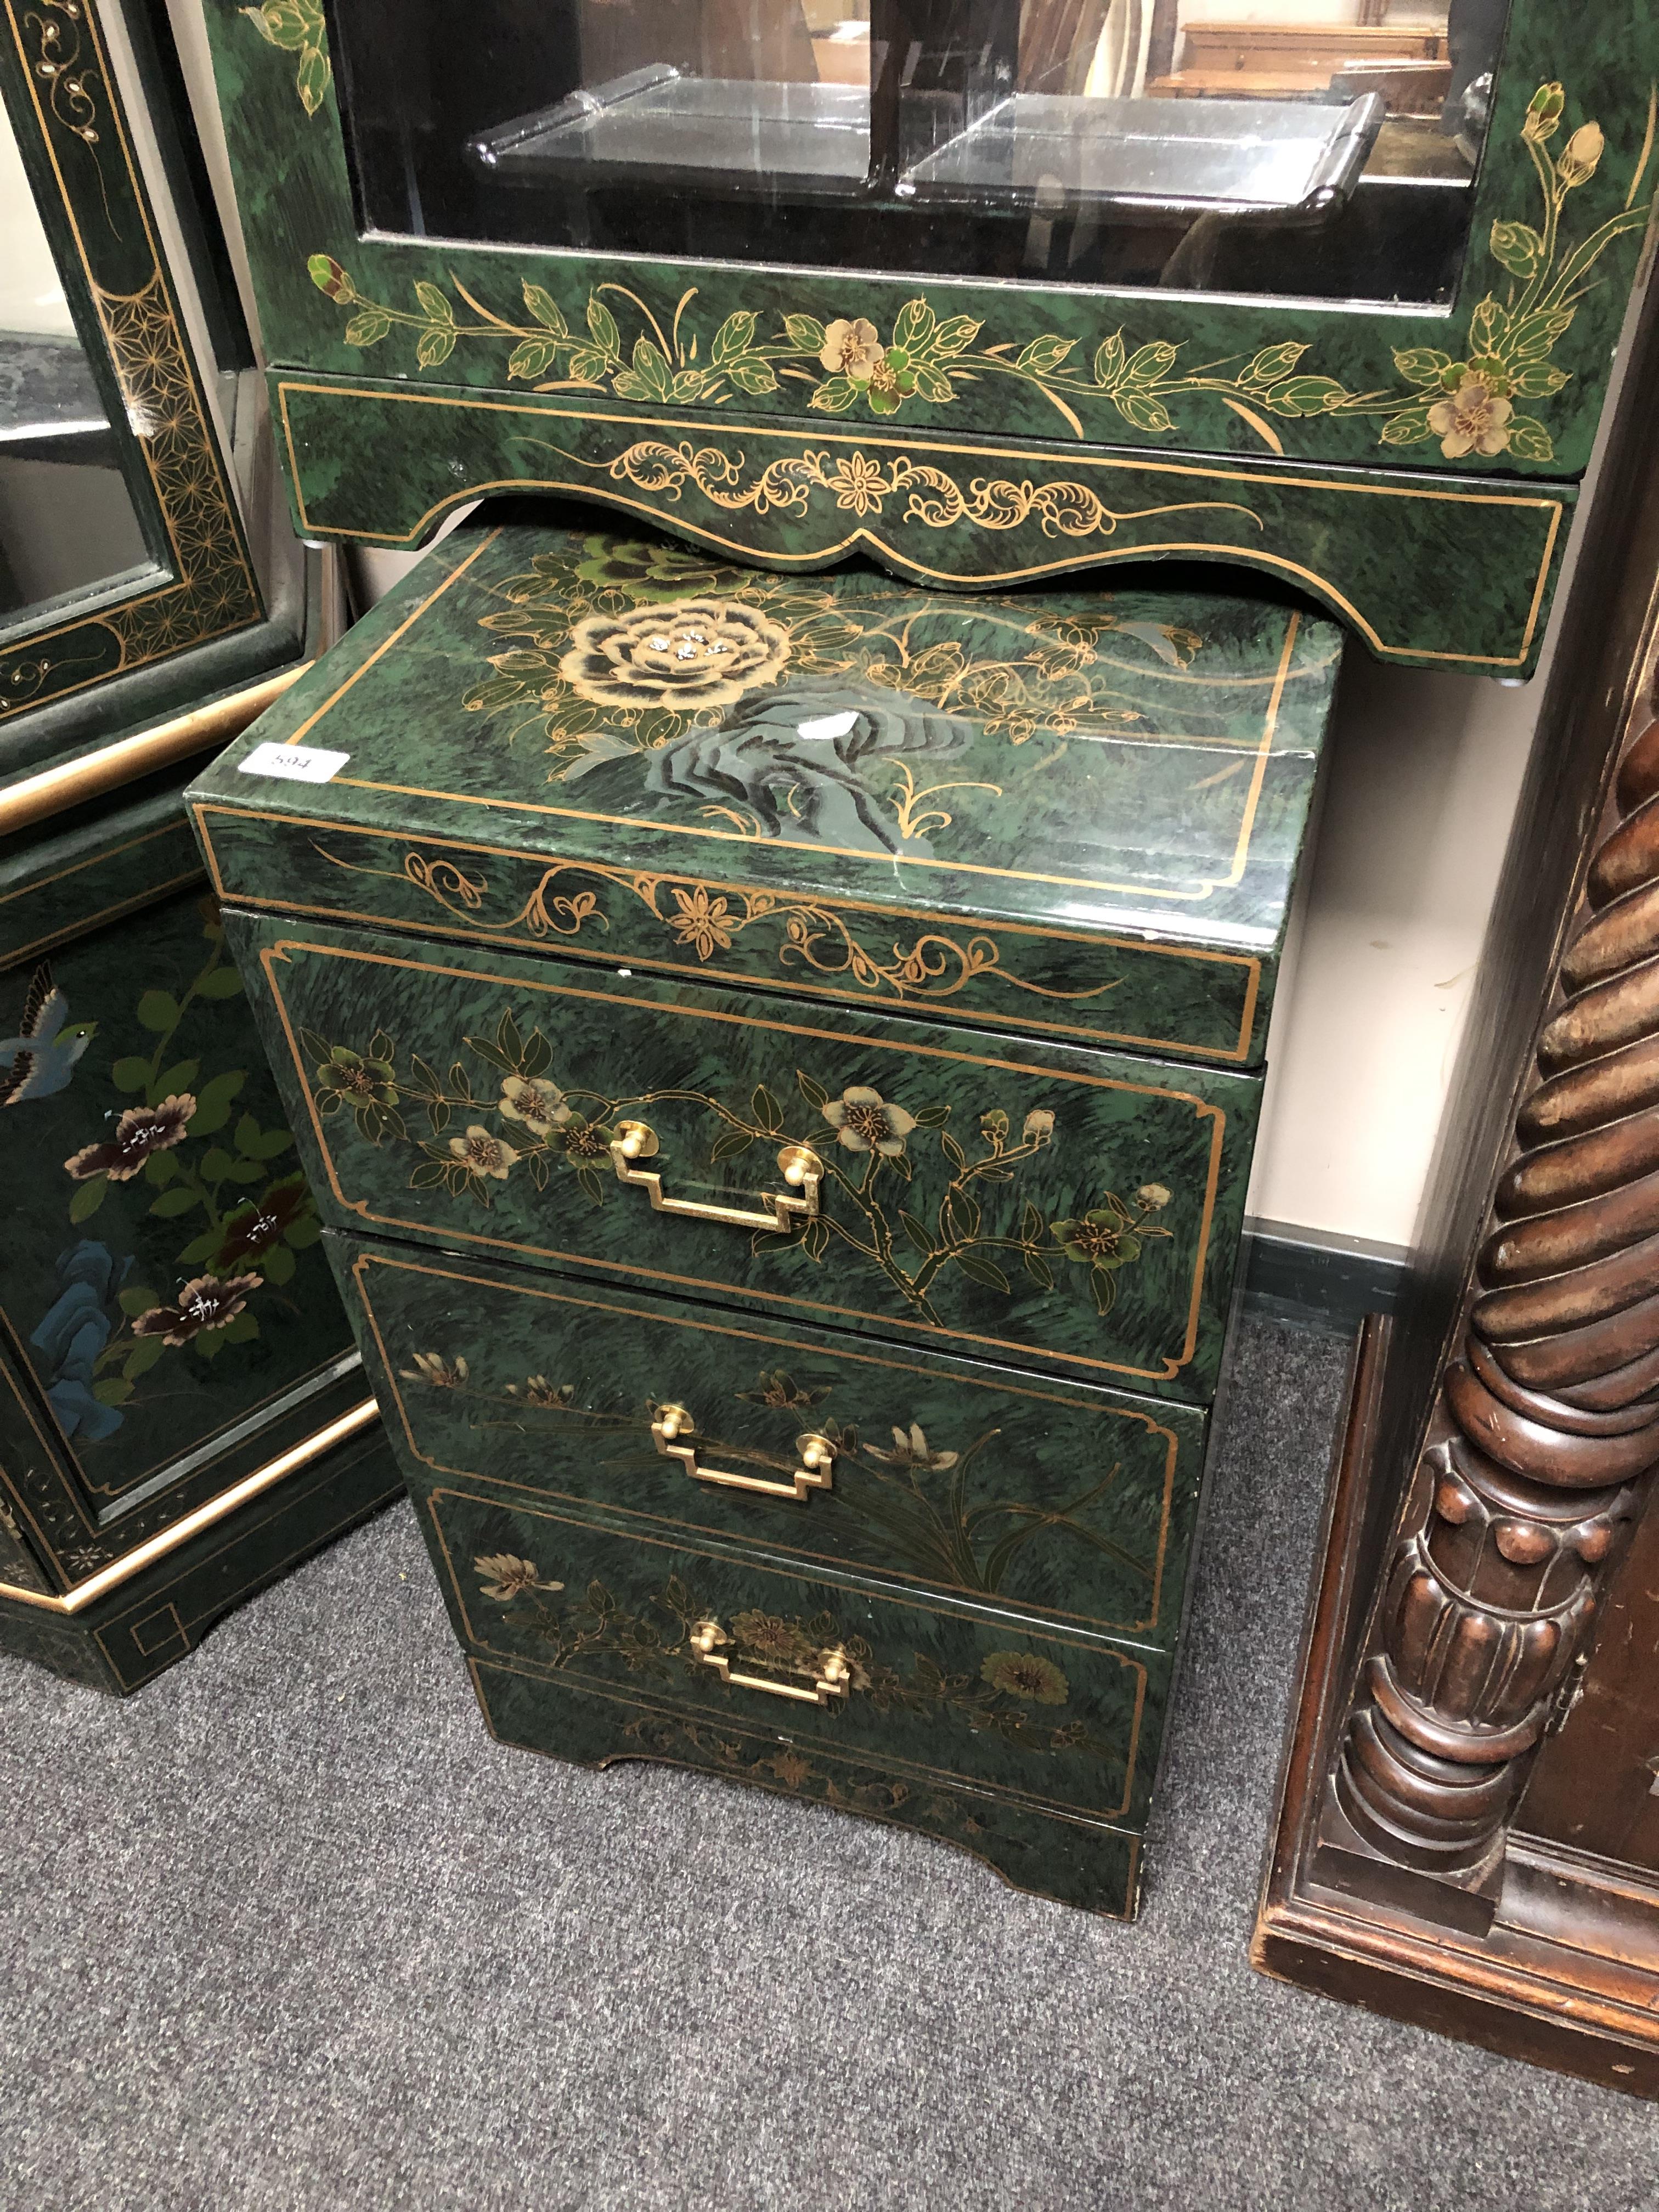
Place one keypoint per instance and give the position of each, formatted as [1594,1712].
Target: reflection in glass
[66,520]
[1312,146]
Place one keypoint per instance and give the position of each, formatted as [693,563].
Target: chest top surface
[619,707]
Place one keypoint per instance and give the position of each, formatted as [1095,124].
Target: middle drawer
[1025,1493]
[990,1195]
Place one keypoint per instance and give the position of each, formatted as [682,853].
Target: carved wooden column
[1503,1445]
[1545,1428]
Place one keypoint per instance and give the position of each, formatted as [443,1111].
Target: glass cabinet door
[1323,148]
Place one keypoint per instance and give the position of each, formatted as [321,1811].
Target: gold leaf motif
[925,360]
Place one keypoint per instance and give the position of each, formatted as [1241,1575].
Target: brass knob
[815,1451]
[636,1140]
[797,1163]
[673,1421]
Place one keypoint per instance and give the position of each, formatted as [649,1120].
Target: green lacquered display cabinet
[984,291]
[182,1410]
[778,1059]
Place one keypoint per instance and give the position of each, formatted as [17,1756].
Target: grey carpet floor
[287,1931]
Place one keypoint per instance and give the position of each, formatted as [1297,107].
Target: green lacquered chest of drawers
[779,1059]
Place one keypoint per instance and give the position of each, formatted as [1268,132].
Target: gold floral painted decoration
[654,1638]
[863,1121]
[871,1210]
[695,653]
[297,27]
[1026,1675]
[505,1577]
[761,703]
[928,359]
[435,1371]
[541,1106]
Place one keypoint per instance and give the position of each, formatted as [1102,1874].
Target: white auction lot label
[299,764]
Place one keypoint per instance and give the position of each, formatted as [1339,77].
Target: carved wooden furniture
[1470,1830]
[1040,335]
[182,1412]
[778,1059]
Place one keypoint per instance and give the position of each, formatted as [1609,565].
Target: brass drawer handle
[800,1167]
[834,1675]
[817,1470]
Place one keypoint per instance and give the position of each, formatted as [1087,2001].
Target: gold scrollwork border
[436,861]
[1550,505]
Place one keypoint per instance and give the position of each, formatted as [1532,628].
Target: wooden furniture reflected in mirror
[1290,56]
[1469,1833]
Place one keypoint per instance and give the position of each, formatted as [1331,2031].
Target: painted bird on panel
[39,1061]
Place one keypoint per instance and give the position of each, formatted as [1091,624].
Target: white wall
[1425,771]
[31,293]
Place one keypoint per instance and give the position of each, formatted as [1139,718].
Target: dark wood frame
[1488,1553]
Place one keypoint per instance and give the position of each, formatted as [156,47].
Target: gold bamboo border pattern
[656,1317]
[477,1667]
[1027,1627]
[1262,753]
[84,1593]
[1034,455]
[740,978]
[281,952]
[114,608]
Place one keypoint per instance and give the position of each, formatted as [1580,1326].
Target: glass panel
[1322,147]
[66,520]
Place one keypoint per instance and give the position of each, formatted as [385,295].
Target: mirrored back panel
[1325,148]
[122,544]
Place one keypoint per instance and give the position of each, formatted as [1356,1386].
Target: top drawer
[1075,814]
[999,1198]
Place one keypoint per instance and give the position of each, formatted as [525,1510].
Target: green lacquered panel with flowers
[1042,1497]
[928,1691]
[1076,812]
[989,1195]
[1504,369]
[164,1285]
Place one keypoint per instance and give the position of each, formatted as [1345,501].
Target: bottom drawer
[1076,1862]
[669,1645]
